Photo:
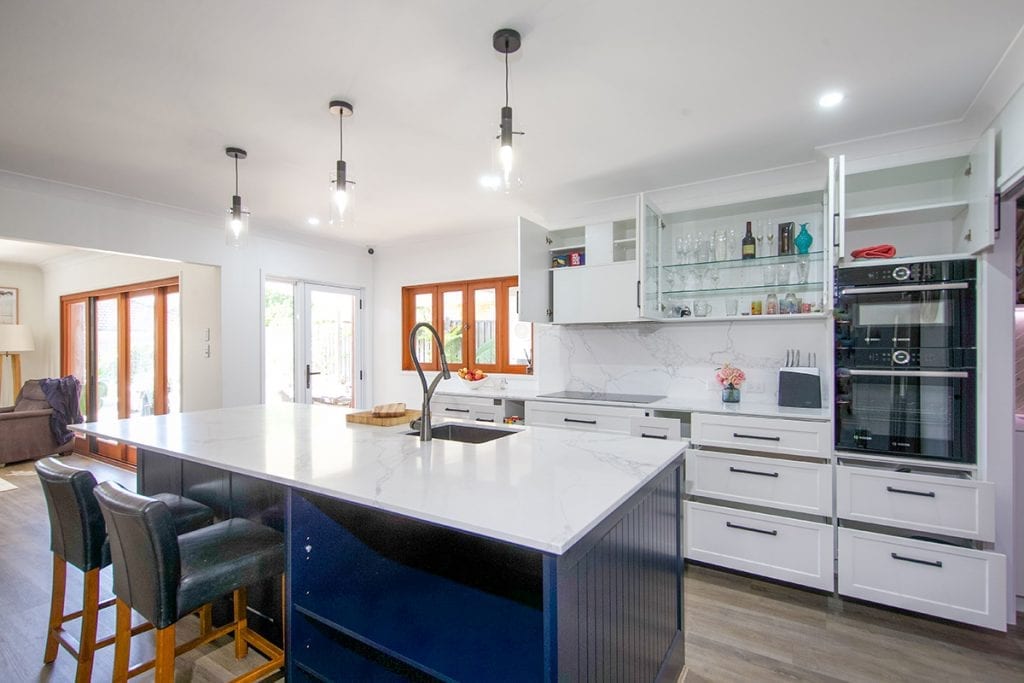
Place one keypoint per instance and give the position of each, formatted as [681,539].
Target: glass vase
[730,394]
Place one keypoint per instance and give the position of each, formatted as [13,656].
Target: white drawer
[943,505]
[954,583]
[777,547]
[787,484]
[581,416]
[664,428]
[468,408]
[464,401]
[768,434]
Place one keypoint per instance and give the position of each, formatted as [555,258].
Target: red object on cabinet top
[877,251]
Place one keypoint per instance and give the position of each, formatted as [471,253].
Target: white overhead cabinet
[693,267]
[936,207]
[582,274]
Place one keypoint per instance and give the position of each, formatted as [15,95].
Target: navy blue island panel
[376,596]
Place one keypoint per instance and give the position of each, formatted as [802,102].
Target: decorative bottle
[803,240]
[749,244]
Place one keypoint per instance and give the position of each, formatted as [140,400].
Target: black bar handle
[485,419]
[736,435]
[773,532]
[457,410]
[936,563]
[740,470]
[638,294]
[924,494]
[663,437]
[582,422]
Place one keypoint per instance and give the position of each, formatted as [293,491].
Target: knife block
[800,387]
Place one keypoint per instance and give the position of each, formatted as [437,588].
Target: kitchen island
[543,555]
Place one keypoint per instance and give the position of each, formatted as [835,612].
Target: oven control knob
[900,273]
[900,357]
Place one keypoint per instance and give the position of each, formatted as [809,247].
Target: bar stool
[78,537]
[164,577]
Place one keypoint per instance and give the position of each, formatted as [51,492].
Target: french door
[312,345]
[123,345]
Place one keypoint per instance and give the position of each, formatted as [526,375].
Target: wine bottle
[749,244]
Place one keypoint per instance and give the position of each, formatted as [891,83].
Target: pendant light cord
[341,136]
[506,72]
[236,175]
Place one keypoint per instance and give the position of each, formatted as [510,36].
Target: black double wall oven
[905,359]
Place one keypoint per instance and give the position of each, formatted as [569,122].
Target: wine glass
[771,238]
[759,236]
[681,250]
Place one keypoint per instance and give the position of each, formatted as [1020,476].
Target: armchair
[25,431]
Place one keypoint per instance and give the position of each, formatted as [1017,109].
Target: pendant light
[341,186]
[236,226]
[506,41]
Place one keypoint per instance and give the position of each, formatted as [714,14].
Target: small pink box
[576,258]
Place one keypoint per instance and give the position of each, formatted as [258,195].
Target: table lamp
[14,340]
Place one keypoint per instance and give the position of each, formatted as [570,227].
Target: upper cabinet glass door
[835,211]
[652,226]
[534,273]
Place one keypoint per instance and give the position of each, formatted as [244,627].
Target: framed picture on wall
[8,305]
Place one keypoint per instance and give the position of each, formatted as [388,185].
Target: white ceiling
[140,98]
[32,253]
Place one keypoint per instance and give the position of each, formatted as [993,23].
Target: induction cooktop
[601,396]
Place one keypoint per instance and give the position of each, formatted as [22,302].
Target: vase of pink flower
[731,379]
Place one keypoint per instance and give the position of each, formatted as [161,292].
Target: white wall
[41,211]
[200,310]
[29,282]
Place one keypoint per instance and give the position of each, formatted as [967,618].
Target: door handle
[773,532]
[923,494]
[582,422]
[309,375]
[936,563]
[663,437]
[740,470]
[754,436]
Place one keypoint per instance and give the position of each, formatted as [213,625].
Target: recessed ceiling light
[313,220]
[830,99]
[490,181]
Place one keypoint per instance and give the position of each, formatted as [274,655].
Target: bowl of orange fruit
[474,379]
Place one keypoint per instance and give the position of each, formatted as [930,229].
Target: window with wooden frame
[123,345]
[478,320]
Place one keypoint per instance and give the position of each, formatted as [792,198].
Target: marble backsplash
[677,360]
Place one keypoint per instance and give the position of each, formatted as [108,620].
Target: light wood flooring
[737,628]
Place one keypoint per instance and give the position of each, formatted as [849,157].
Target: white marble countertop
[669,403]
[543,488]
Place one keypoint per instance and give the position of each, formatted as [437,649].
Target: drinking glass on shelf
[803,267]
[734,244]
[768,274]
[784,272]
[721,245]
[730,306]
[701,308]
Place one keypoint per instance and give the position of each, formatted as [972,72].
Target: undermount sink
[466,433]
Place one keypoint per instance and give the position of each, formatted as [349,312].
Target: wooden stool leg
[60,574]
[205,619]
[165,655]
[90,613]
[122,641]
[241,623]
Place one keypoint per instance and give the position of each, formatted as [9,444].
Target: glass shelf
[750,289]
[811,256]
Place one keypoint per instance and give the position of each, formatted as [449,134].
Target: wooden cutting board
[367,418]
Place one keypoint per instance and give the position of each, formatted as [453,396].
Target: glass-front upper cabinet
[739,261]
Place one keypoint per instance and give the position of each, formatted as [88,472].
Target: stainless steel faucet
[428,391]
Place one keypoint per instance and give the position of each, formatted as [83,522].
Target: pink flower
[729,376]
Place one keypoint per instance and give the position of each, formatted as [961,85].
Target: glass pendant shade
[236,223]
[342,209]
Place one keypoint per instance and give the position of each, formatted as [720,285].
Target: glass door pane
[424,341]
[485,317]
[107,357]
[453,325]
[651,260]
[332,333]
[141,359]
[279,341]
[173,331]
[76,340]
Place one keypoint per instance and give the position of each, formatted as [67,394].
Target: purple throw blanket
[63,397]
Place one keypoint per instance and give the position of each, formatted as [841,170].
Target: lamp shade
[16,339]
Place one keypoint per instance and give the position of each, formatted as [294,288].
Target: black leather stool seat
[188,514]
[228,555]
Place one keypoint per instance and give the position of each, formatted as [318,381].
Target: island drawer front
[776,547]
[665,428]
[588,417]
[962,508]
[768,434]
[772,482]
[468,408]
[946,581]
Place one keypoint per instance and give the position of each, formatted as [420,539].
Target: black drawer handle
[457,410]
[936,563]
[754,436]
[663,437]
[773,532]
[760,474]
[582,422]
[485,419]
[925,494]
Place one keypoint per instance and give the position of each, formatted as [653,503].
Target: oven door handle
[903,288]
[957,374]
